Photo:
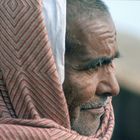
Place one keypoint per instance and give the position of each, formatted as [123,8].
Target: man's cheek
[84,91]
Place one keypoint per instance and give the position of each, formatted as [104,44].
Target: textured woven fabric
[32,103]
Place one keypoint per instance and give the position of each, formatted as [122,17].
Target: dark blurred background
[127,114]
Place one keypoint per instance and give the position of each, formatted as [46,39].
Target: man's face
[90,73]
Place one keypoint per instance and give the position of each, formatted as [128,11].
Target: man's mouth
[94,107]
[98,110]
[90,106]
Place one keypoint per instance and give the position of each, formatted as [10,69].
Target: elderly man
[32,103]
[90,71]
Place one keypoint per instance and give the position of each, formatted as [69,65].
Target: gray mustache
[96,104]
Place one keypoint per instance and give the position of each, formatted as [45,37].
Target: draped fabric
[32,102]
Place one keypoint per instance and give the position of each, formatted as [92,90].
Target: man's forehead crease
[90,26]
[107,35]
[108,46]
[98,26]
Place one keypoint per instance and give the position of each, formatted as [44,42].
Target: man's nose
[108,86]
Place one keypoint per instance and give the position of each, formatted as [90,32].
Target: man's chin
[87,123]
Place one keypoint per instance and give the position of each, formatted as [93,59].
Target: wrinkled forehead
[94,37]
[85,26]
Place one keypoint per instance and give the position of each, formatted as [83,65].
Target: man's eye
[99,64]
[107,62]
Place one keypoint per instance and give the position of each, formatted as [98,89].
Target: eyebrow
[97,62]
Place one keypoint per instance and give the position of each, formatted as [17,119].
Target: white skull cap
[54,12]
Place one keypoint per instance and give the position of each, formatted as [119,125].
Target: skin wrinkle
[96,25]
[100,30]
[107,38]
[109,35]
[98,37]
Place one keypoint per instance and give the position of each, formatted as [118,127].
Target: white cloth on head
[54,12]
